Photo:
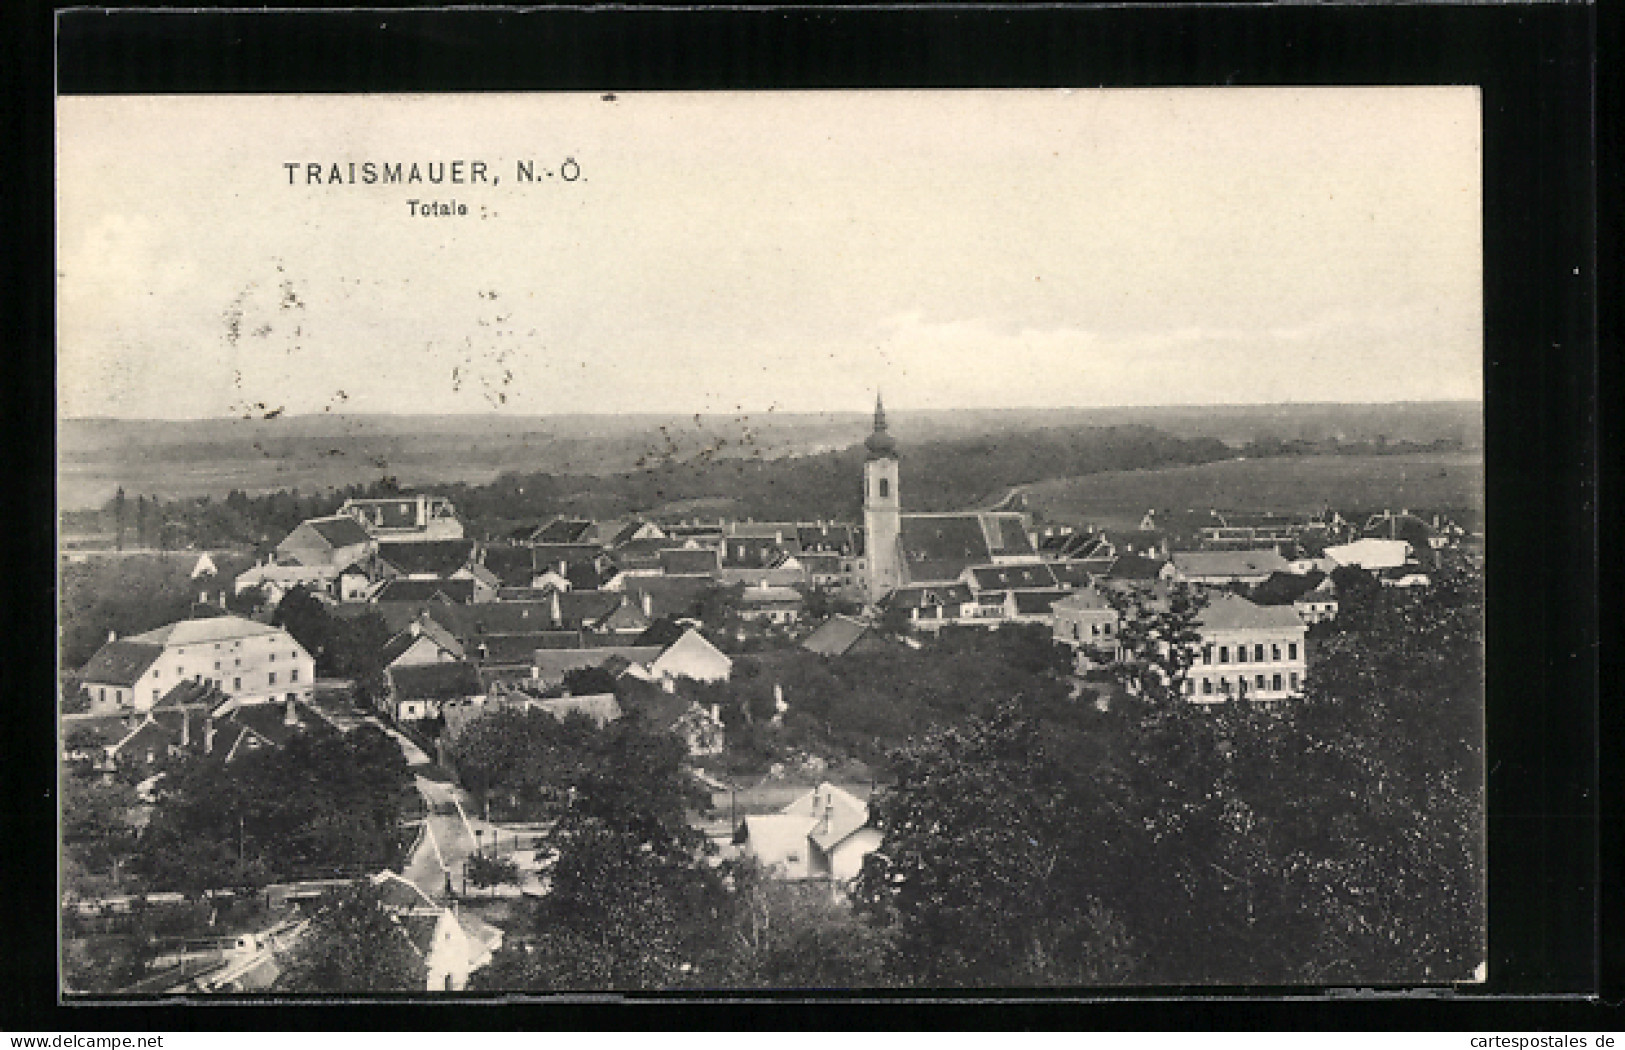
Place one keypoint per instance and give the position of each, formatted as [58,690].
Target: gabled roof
[1228,563]
[1071,573]
[1134,567]
[941,546]
[441,681]
[1226,612]
[513,648]
[690,653]
[468,622]
[404,590]
[1038,603]
[680,561]
[833,538]
[585,608]
[1013,577]
[552,664]
[339,530]
[548,555]
[1085,599]
[120,662]
[833,814]
[755,551]
[918,596]
[563,530]
[269,721]
[191,693]
[514,566]
[770,595]
[668,595]
[423,557]
[207,629]
[836,636]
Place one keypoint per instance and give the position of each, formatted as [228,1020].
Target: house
[1087,622]
[824,834]
[417,691]
[1064,543]
[333,542]
[346,583]
[451,944]
[840,635]
[1217,568]
[418,516]
[550,666]
[424,641]
[780,605]
[425,559]
[932,606]
[1247,651]
[691,656]
[248,661]
[663,596]
[1318,604]
[563,530]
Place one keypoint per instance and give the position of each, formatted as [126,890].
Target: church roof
[880,444]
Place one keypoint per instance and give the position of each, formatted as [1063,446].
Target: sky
[770,251]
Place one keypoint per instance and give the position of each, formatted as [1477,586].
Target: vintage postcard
[590,542]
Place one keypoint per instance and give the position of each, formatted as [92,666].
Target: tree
[118,517]
[353,944]
[1157,640]
[795,936]
[588,681]
[997,861]
[304,617]
[485,869]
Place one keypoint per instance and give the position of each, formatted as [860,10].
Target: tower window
[885,488]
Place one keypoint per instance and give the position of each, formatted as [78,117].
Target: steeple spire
[880,444]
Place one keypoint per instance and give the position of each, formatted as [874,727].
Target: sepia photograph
[580,542]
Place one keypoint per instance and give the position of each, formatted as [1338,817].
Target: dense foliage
[322,803]
[353,944]
[1338,840]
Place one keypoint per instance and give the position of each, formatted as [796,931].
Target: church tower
[882,511]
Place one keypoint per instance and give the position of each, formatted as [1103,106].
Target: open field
[1287,484]
[210,457]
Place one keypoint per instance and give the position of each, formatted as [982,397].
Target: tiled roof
[1013,577]
[120,662]
[942,546]
[514,566]
[579,608]
[513,648]
[468,622]
[1038,603]
[421,557]
[435,681]
[1071,573]
[552,664]
[403,590]
[207,629]
[770,595]
[564,530]
[1007,534]
[1084,599]
[1228,563]
[915,596]
[835,637]
[268,721]
[191,694]
[340,530]
[836,539]
[1134,567]
[1232,612]
[683,562]
[548,555]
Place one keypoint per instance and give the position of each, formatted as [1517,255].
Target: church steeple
[880,444]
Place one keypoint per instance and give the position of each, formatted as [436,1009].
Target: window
[180,672]
[1108,627]
[885,488]
[1224,655]
[217,665]
[1094,630]
[1188,687]
[1294,678]
[273,657]
[1292,650]
[237,662]
[1207,657]
[1258,681]
[1275,683]
[293,675]
[1224,686]
[155,672]
[101,694]
[1241,654]
[1258,652]
[1275,652]
[272,679]
[1207,687]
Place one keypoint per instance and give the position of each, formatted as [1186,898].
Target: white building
[1247,651]
[824,834]
[248,661]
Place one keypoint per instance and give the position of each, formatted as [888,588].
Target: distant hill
[189,458]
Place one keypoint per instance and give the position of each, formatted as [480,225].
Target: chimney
[208,737]
[564,568]
[716,712]
[648,605]
[558,613]
[186,727]
[112,636]
[222,597]
[290,717]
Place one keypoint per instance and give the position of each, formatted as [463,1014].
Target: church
[943,562]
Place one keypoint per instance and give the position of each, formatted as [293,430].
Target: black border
[1534,63]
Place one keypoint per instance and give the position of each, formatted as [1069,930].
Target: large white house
[248,661]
